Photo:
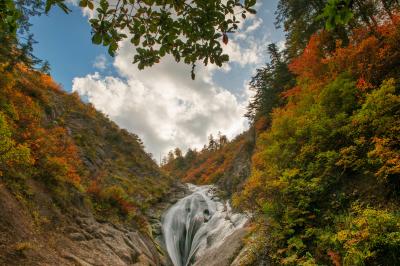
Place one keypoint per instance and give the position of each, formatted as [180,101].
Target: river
[197,224]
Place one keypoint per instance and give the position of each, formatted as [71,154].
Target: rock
[108,244]
[77,237]
[224,254]
[75,260]
[144,261]
[156,229]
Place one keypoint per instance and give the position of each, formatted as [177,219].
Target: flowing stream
[197,223]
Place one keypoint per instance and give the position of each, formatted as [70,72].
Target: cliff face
[239,168]
[56,238]
[74,188]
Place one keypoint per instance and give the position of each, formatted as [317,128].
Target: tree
[9,16]
[212,144]
[189,31]
[222,140]
[14,17]
[268,83]
[11,154]
[170,157]
[190,155]
[164,161]
[299,20]
[302,18]
[337,12]
[178,153]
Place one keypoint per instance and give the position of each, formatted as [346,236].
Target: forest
[318,169]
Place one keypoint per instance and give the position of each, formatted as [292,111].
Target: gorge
[128,169]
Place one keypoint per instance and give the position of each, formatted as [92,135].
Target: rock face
[225,253]
[69,240]
[93,243]
[240,168]
[56,238]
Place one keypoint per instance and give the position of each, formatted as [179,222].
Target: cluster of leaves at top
[190,31]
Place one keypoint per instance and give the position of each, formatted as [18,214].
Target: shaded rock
[77,237]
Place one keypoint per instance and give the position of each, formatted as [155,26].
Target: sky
[161,104]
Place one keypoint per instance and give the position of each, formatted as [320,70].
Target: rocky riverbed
[77,237]
[81,239]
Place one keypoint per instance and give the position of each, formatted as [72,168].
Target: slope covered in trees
[324,184]
[60,159]
[222,162]
[55,138]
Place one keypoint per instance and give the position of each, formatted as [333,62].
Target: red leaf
[225,38]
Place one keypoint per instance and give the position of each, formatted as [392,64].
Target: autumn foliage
[215,163]
[325,178]
[54,138]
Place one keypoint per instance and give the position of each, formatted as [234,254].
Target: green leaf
[83,3]
[90,5]
[97,38]
[63,6]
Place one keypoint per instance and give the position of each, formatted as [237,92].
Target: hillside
[222,162]
[324,182]
[73,186]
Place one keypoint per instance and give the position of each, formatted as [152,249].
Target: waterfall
[197,223]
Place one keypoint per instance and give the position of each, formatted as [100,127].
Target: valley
[200,133]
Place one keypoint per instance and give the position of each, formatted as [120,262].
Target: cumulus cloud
[100,62]
[164,106]
[255,25]
[245,52]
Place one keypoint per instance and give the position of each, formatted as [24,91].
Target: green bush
[365,236]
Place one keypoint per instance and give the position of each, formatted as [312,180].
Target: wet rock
[156,228]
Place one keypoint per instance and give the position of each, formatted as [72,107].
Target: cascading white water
[197,223]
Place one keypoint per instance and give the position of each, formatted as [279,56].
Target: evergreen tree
[268,83]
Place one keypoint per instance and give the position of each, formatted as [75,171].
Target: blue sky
[162,105]
[64,40]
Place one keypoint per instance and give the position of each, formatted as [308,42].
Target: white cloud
[281,45]
[100,62]
[245,53]
[162,104]
[256,23]
[72,2]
